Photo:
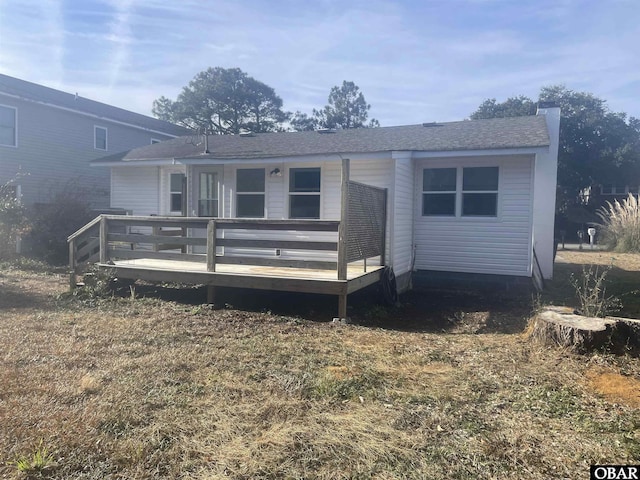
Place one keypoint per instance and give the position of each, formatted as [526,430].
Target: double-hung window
[8,126]
[304,193]
[100,138]
[480,192]
[439,192]
[176,192]
[460,192]
[250,192]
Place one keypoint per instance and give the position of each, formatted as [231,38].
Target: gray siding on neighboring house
[54,147]
[499,245]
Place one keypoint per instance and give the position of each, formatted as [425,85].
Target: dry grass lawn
[444,387]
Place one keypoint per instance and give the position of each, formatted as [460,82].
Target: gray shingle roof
[489,134]
[33,91]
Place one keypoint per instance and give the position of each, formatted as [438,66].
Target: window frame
[495,192]
[247,193]
[154,141]
[459,194]
[95,138]
[15,126]
[426,193]
[290,194]
[175,192]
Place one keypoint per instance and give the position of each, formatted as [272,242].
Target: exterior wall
[500,245]
[136,189]
[54,148]
[374,172]
[544,205]
[401,217]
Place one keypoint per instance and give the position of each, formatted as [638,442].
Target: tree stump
[563,327]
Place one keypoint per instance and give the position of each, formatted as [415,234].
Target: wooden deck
[335,257]
[247,276]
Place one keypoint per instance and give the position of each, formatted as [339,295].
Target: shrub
[591,291]
[13,220]
[53,222]
[621,224]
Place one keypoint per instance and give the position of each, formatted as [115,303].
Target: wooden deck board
[248,276]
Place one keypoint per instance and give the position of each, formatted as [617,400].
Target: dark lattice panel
[365,221]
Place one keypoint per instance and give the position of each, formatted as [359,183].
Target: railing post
[211,246]
[104,240]
[72,263]
[342,229]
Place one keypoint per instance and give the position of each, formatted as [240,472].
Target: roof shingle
[486,134]
[40,93]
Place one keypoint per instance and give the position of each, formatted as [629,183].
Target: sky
[415,61]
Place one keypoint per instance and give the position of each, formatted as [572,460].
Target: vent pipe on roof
[206,142]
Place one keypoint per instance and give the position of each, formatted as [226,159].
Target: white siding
[499,245]
[135,189]
[402,215]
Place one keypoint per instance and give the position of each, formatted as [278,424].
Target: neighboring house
[475,196]
[47,138]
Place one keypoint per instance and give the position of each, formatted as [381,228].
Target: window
[250,193]
[8,125]
[439,192]
[304,193]
[176,193]
[480,192]
[455,192]
[100,138]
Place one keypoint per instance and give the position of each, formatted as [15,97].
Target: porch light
[275,172]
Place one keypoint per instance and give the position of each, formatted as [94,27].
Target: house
[47,138]
[468,197]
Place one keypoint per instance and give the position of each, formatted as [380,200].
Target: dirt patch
[624,261]
[614,387]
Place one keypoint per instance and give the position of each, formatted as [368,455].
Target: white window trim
[440,192]
[15,127]
[95,138]
[459,192]
[154,140]
[318,193]
[263,193]
[170,192]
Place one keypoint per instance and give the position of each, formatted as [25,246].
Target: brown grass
[151,388]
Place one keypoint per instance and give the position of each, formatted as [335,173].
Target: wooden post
[342,229]
[211,294]
[211,246]
[72,264]
[155,230]
[342,307]
[104,240]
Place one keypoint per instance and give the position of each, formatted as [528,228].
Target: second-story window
[100,138]
[8,126]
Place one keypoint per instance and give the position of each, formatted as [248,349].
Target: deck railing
[312,244]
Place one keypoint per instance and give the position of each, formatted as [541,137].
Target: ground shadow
[421,310]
